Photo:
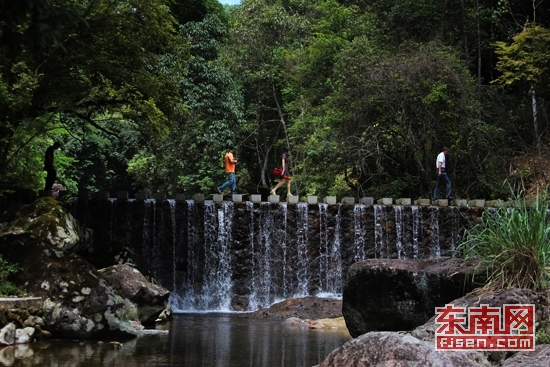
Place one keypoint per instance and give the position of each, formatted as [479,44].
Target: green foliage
[389,114]
[526,59]
[113,62]
[514,244]
[7,288]
[148,94]
[186,159]
[542,336]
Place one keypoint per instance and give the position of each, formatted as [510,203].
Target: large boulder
[118,253]
[512,296]
[149,298]
[417,348]
[398,350]
[540,357]
[77,301]
[393,295]
[48,221]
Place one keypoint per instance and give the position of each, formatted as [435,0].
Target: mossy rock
[48,221]
[119,253]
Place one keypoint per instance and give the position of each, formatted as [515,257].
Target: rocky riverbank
[412,343]
[77,299]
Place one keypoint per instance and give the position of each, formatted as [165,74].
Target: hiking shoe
[219,191]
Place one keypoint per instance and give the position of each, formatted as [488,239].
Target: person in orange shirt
[230,163]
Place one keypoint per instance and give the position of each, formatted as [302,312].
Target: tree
[261,34]
[391,112]
[112,61]
[526,61]
[188,158]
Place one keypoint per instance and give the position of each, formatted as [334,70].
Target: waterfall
[302,247]
[399,231]
[222,253]
[330,267]
[246,256]
[282,234]
[359,233]
[261,272]
[380,243]
[416,228]
[435,249]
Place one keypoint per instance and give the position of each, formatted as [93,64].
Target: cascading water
[359,233]
[325,255]
[399,231]
[380,243]
[245,256]
[302,247]
[261,292]
[416,228]
[330,268]
[435,249]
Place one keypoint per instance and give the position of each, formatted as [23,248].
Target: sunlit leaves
[526,59]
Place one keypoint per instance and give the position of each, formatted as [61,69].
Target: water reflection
[197,340]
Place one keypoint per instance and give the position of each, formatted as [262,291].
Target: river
[194,340]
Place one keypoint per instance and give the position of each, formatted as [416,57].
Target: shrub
[513,244]
[7,288]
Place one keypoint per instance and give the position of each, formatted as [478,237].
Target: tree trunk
[537,135]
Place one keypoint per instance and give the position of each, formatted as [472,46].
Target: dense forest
[148,94]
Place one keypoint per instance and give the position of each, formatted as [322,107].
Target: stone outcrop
[398,350]
[417,349]
[77,300]
[512,296]
[150,299]
[303,308]
[21,320]
[393,295]
[48,222]
[118,253]
[540,357]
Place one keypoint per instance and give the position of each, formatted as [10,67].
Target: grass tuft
[513,244]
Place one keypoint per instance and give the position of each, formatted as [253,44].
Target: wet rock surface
[149,298]
[393,295]
[416,348]
[303,308]
[398,350]
[78,302]
[46,222]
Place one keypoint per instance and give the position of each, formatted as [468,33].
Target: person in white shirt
[442,177]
